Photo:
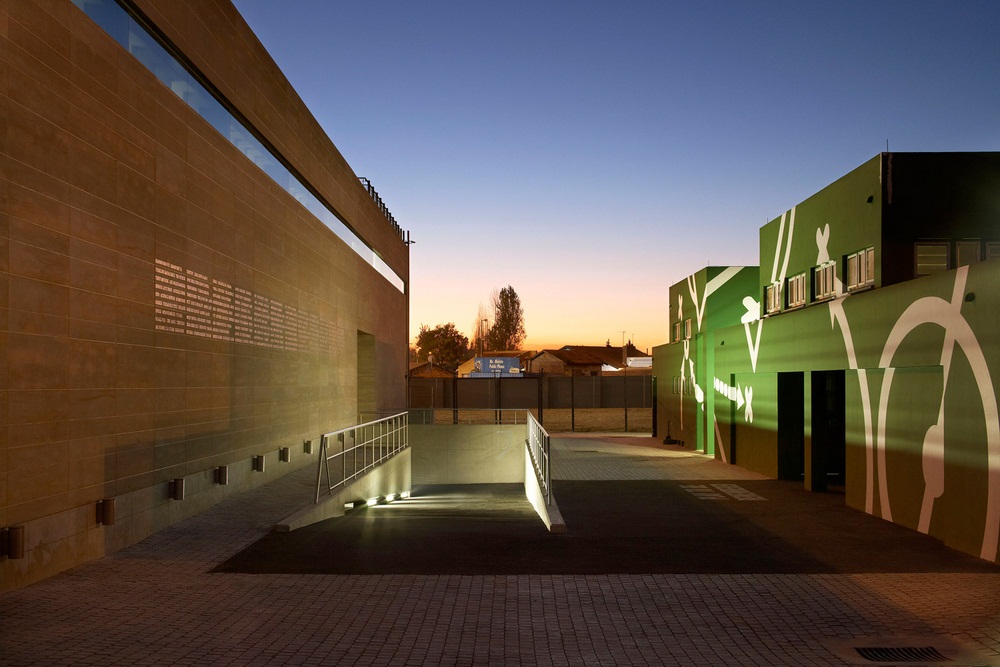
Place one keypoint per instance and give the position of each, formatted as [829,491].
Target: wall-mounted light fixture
[307,446]
[222,475]
[258,463]
[106,511]
[284,455]
[177,489]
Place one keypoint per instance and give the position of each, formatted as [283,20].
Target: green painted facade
[700,305]
[882,385]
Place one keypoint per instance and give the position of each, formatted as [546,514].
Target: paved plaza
[163,601]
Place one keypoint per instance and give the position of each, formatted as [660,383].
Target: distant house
[468,369]
[426,369]
[587,360]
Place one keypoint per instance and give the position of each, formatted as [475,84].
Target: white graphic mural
[948,316]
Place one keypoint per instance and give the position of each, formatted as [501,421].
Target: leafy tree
[507,332]
[447,344]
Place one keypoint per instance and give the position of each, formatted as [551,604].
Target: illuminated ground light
[404,494]
[372,502]
[389,498]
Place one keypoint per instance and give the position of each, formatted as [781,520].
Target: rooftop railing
[404,235]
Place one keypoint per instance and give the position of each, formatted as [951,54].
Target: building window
[797,291]
[825,281]
[773,298]
[931,258]
[861,269]
[677,331]
[967,252]
[687,328]
[993,251]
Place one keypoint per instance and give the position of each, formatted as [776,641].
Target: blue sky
[591,154]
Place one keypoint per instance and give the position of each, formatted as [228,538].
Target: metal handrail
[539,449]
[377,440]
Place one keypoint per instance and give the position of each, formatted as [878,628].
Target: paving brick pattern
[156,604]
[595,457]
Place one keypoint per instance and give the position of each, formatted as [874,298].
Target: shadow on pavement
[614,527]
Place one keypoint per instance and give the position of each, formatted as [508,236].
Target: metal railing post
[384,436]
[548,472]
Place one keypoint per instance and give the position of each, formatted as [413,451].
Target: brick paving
[601,457]
[156,603]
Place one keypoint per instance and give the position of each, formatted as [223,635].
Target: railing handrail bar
[397,424]
[357,426]
[538,438]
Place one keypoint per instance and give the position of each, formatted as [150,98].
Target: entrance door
[828,460]
[791,426]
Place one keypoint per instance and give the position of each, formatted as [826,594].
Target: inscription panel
[188,302]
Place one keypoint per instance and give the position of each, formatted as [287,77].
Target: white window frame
[825,281]
[772,299]
[677,332]
[797,291]
[687,328]
[860,269]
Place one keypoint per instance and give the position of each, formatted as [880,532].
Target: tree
[507,332]
[447,344]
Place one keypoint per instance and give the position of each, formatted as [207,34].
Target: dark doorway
[791,426]
[828,464]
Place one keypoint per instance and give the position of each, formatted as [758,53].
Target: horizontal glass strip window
[125,30]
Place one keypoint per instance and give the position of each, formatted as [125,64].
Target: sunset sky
[590,154]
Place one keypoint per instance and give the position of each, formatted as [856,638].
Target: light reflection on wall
[132,36]
[188,302]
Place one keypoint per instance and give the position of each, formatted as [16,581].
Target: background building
[191,276]
[866,358]
[591,360]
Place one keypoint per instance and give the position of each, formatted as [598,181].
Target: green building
[866,356]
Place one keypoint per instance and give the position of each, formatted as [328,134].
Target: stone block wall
[120,205]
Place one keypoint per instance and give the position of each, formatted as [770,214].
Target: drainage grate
[901,654]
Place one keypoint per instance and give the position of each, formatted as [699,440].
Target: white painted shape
[788,246]
[777,248]
[934,310]
[753,343]
[822,243]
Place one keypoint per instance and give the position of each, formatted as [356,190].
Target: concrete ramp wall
[479,454]
[468,453]
[393,476]
[444,454]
